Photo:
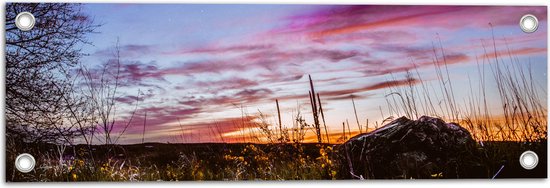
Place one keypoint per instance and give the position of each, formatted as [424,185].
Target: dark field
[219,161]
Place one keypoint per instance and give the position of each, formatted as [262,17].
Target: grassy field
[519,124]
[219,161]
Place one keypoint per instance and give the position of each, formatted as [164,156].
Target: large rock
[423,148]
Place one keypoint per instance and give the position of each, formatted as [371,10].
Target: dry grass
[521,116]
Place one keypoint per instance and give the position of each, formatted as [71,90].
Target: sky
[205,73]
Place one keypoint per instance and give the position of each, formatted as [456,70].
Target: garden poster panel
[172,92]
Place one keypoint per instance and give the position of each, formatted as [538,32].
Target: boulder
[424,148]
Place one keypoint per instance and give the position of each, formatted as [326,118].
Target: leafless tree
[39,80]
[100,87]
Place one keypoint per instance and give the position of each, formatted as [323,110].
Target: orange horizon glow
[205,80]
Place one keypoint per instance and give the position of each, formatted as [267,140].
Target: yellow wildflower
[199,176]
[438,175]
[81,162]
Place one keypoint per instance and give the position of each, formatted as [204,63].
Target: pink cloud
[516,52]
[225,84]
[136,71]
[346,93]
[133,99]
[156,118]
[239,96]
[277,62]
[217,49]
[382,25]
[340,20]
[127,99]
[348,97]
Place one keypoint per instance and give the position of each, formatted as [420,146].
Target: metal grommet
[24,21]
[25,162]
[529,23]
[528,160]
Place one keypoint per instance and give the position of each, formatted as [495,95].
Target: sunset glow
[206,73]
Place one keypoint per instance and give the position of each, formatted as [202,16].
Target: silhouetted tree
[39,76]
[100,89]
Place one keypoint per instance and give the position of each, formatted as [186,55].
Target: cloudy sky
[203,73]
